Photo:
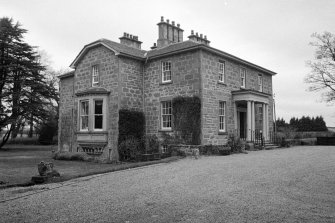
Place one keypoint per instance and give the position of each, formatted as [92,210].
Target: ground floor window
[222,116]
[92,114]
[166,115]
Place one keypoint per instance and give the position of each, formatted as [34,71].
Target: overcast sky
[273,34]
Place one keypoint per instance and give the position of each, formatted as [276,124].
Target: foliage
[186,112]
[303,124]
[322,76]
[24,89]
[151,144]
[47,132]
[131,123]
[74,156]
[129,149]
[235,144]
[215,150]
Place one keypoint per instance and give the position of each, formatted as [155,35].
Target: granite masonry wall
[213,92]
[185,82]
[108,65]
[65,131]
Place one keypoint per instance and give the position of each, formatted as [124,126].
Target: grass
[18,163]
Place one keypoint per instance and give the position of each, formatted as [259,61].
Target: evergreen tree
[23,87]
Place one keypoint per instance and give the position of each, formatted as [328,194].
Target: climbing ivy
[186,113]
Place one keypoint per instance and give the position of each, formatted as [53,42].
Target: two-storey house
[236,95]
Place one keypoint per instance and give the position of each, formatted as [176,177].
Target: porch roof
[251,95]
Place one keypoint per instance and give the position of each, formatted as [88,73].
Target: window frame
[222,73]
[163,72]
[260,82]
[222,116]
[162,109]
[94,114]
[243,83]
[95,74]
[86,115]
[91,113]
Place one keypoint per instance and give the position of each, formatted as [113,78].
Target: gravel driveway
[285,185]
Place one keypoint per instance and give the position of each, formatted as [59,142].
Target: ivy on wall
[186,112]
[131,124]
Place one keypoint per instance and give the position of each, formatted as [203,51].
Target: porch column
[253,118]
[249,123]
[265,133]
[235,119]
[267,121]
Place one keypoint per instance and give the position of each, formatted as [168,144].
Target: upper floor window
[260,82]
[166,112]
[222,71]
[166,72]
[95,75]
[243,72]
[222,116]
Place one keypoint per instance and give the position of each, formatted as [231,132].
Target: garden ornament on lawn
[46,169]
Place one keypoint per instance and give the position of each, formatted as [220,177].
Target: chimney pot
[131,36]
[196,34]
[205,37]
[173,23]
[178,25]
[154,44]
[168,21]
[124,34]
[127,35]
[192,32]
[201,36]
[162,18]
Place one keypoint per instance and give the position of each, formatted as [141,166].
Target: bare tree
[322,76]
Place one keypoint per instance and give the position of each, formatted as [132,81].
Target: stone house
[236,95]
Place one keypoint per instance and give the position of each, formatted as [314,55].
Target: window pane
[98,121]
[84,108]
[98,107]
[84,122]
[166,114]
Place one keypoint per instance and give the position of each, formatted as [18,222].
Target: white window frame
[164,148]
[81,115]
[166,115]
[166,72]
[222,69]
[260,82]
[91,113]
[95,75]
[94,114]
[243,74]
[222,116]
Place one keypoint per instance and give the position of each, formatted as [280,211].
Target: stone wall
[185,82]
[65,130]
[213,92]
[131,83]
[109,79]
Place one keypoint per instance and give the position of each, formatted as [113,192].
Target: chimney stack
[198,39]
[168,33]
[130,40]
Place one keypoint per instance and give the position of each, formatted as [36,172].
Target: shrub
[74,156]
[47,132]
[186,113]
[129,149]
[151,144]
[131,123]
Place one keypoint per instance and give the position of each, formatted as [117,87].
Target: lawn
[18,163]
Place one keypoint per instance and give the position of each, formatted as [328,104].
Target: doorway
[243,118]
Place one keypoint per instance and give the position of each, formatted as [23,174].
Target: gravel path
[284,185]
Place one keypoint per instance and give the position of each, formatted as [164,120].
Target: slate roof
[121,49]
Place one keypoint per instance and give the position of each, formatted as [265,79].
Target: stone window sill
[165,83]
[223,133]
[222,83]
[165,130]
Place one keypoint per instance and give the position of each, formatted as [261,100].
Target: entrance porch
[251,115]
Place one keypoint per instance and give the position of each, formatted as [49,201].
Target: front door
[243,125]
